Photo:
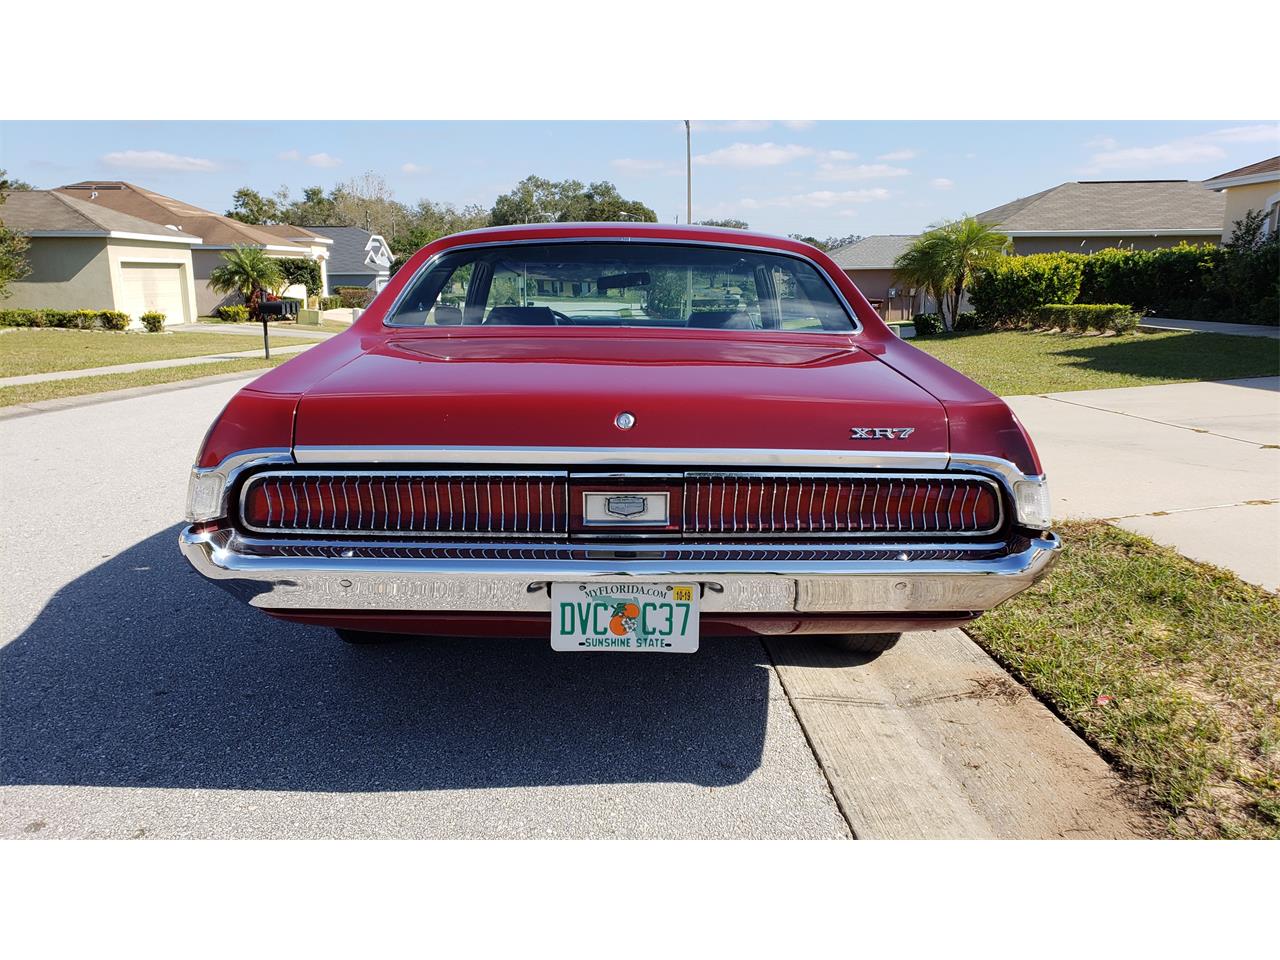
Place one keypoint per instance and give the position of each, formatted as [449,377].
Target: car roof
[632,230]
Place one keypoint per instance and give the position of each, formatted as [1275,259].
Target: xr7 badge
[880,433]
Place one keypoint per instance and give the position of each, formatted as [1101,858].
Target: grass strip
[1170,667]
[1011,363]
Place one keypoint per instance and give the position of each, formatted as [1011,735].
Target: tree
[728,223]
[300,270]
[538,200]
[313,210]
[13,246]
[249,206]
[368,202]
[812,241]
[247,271]
[834,243]
[430,221]
[945,259]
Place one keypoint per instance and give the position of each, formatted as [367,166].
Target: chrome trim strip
[477,585]
[627,456]
[826,277]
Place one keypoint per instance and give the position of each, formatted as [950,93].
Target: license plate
[627,617]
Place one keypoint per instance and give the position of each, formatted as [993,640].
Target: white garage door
[153,286]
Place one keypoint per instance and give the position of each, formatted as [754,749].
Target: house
[869,264]
[1255,187]
[219,233]
[1089,215]
[88,257]
[357,258]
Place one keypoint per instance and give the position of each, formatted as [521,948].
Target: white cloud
[322,160]
[413,168]
[289,155]
[904,154]
[798,124]
[1177,153]
[1255,133]
[819,199]
[839,155]
[942,183]
[157,160]
[636,165]
[753,155]
[861,171]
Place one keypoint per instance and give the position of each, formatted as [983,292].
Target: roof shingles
[1155,206]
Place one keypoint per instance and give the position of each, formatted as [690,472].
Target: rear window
[594,284]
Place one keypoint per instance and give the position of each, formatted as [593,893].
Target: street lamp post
[688,174]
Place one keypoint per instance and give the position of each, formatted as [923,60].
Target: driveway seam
[1212,506]
[813,750]
[1164,423]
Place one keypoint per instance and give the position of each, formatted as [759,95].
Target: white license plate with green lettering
[628,617]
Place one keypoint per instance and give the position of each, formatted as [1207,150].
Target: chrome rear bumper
[736,578]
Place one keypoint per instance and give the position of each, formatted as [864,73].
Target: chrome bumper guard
[735,579]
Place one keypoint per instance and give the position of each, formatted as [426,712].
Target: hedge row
[1116,317]
[233,313]
[1239,281]
[67,319]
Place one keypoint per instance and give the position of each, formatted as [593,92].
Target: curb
[19,410]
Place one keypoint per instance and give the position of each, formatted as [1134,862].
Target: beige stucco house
[1255,187]
[217,232]
[1089,215]
[869,264]
[85,257]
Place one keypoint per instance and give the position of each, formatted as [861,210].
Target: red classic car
[627,436]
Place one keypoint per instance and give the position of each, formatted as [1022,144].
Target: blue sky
[821,178]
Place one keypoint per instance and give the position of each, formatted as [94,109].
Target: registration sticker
[625,617]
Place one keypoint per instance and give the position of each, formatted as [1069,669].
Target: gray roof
[35,212]
[1156,206]
[349,252]
[872,253]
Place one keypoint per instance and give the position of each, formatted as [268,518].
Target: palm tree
[970,245]
[945,259]
[923,264]
[246,271]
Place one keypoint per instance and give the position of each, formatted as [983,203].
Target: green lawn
[1170,667]
[44,351]
[1009,363]
[79,386]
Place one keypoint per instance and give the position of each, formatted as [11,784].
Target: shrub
[1010,290]
[153,320]
[113,319]
[971,321]
[927,324]
[328,303]
[1116,317]
[233,313]
[1172,281]
[22,318]
[354,297]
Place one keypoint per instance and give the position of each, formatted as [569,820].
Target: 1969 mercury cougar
[627,436]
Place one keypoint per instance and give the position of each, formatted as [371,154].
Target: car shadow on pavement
[140,673]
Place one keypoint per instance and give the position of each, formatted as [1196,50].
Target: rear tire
[862,642]
[367,638]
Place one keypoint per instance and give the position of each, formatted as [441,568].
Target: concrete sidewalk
[147,365]
[249,330]
[1195,466]
[1209,326]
